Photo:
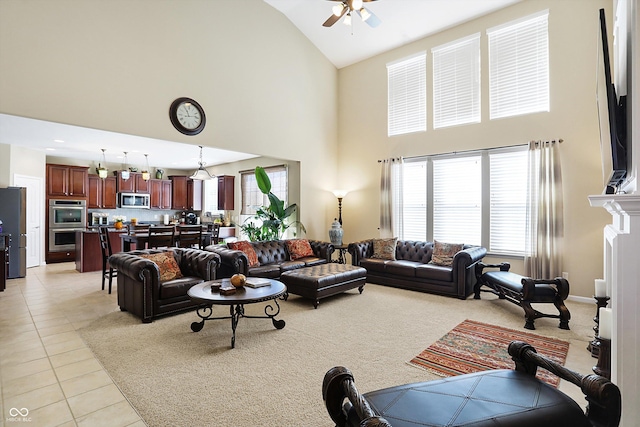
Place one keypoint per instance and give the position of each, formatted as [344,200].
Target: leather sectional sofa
[411,268]
[273,257]
[141,290]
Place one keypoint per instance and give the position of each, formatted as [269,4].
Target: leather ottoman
[321,281]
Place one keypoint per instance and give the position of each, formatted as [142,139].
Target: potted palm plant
[269,222]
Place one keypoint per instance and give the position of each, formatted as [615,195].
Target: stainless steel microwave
[134,200]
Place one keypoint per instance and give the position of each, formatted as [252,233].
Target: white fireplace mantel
[622,273]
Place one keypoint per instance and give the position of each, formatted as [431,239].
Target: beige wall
[118,65]
[20,160]
[363,128]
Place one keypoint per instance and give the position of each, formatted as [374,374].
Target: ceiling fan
[347,7]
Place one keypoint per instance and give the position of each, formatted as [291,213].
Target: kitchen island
[88,251]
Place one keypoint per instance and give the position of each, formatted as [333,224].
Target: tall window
[473,198]
[519,66]
[407,87]
[456,82]
[210,196]
[252,197]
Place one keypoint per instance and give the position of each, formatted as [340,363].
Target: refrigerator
[13,213]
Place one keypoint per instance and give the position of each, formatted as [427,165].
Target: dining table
[140,240]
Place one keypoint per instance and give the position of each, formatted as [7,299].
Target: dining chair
[215,233]
[189,235]
[105,246]
[161,236]
[138,229]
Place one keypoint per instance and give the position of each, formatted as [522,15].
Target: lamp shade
[340,193]
[201,174]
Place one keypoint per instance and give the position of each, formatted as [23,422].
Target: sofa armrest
[467,257]
[360,250]
[231,261]
[138,269]
[197,263]
[322,250]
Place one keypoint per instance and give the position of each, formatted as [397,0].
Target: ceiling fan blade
[372,20]
[333,18]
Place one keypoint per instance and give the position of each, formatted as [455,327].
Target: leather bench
[483,399]
[321,281]
[524,291]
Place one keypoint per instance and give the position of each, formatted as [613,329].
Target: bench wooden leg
[564,313]
[529,314]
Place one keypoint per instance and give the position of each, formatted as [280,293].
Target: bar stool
[105,246]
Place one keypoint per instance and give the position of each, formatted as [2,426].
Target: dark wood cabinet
[178,192]
[186,193]
[160,193]
[226,192]
[102,192]
[135,183]
[67,181]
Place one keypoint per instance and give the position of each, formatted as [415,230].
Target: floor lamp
[339,195]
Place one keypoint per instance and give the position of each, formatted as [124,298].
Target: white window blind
[407,92]
[508,201]
[519,67]
[252,197]
[456,82]
[414,198]
[457,199]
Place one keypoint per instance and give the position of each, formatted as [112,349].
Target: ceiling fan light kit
[346,7]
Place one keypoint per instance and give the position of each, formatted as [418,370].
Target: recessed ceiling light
[51,149]
[58,140]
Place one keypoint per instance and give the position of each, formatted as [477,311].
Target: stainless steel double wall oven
[65,217]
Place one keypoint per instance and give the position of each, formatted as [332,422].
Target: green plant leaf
[276,206]
[264,183]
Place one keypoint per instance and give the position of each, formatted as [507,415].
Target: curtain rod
[553,141]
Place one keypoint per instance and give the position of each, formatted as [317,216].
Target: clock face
[187,116]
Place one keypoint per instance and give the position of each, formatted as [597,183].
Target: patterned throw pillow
[167,265]
[385,248]
[299,248]
[443,253]
[246,247]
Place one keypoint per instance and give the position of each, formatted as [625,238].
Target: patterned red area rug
[474,346]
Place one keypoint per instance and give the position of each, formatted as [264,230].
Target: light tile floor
[45,367]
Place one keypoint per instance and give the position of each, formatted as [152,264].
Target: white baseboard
[581,299]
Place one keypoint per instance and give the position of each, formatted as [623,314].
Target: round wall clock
[187,116]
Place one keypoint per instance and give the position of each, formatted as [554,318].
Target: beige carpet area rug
[476,346]
[176,377]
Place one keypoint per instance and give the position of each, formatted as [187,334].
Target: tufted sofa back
[271,251]
[410,250]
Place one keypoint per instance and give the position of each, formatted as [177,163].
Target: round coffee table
[236,302]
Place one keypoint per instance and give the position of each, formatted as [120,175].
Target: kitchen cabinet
[102,192]
[67,181]
[135,183]
[160,191]
[186,193]
[226,192]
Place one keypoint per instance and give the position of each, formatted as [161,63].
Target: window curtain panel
[545,222]
[390,198]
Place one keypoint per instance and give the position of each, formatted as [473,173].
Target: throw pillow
[299,248]
[385,248]
[167,265]
[249,251]
[443,253]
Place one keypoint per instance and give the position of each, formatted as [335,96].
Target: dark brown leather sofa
[411,269]
[273,256]
[140,290]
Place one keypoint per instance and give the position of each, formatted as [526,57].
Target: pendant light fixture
[201,173]
[145,173]
[102,166]
[125,171]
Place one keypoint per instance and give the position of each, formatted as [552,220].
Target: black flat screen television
[612,113]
